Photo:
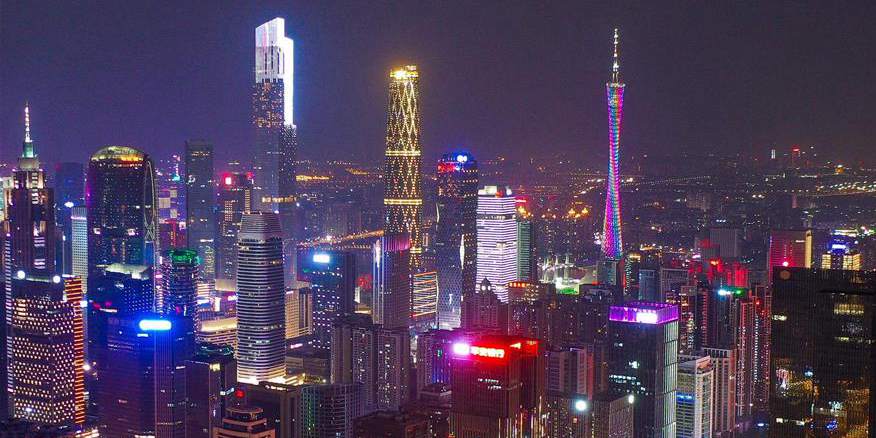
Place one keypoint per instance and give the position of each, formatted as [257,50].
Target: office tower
[391,274]
[724,243]
[572,370]
[280,403]
[211,375]
[30,216]
[218,331]
[482,310]
[790,249]
[612,417]
[200,201]
[286,200]
[695,403]
[643,363]
[822,352]
[272,117]
[122,215]
[762,295]
[498,386]
[171,190]
[45,334]
[433,357]
[841,255]
[566,416]
[69,188]
[329,410]
[379,358]
[402,173]
[612,243]
[456,237]
[179,277]
[424,301]
[526,265]
[388,424]
[497,238]
[332,278]
[724,395]
[79,245]
[299,312]
[127,394]
[234,200]
[260,297]
[243,422]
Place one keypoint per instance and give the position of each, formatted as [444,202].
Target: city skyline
[553,102]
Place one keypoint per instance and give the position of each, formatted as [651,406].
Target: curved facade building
[260,299]
[122,214]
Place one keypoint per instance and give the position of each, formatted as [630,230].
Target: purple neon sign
[644,313]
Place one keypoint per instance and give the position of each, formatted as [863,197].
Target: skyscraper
[822,352]
[790,249]
[69,188]
[272,106]
[200,201]
[179,277]
[329,410]
[498,385]
[497,238]
[402,173]
[211,374]
[392,281]
[456,238]
[122,214]
[612,243]
[244,422]
[695,400]
[332,278]
[45,332]
[260,312]
[30,222]
[234,200]
[643,363]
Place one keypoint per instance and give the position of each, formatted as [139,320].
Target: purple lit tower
[612,244]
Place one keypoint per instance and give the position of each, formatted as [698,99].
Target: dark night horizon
[514,80]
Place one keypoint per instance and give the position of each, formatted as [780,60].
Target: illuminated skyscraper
[456,239]
[392,281]
[497,238]
[332,278]
[275,131]
[179,277]
[69,186]
[235,199]
[402,173]
[122,214]
[260,299]
[211,374]
[200,201]
[45,331]
[790,249]
[612,243]
[821,379]
[643,364]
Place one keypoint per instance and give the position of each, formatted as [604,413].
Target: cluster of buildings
[181,301]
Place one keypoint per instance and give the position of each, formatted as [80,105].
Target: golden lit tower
[403,193]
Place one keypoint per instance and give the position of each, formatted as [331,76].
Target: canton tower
[612,245]
[402,177]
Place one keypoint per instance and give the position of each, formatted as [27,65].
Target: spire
[27,123]
[27,147]
[615,66]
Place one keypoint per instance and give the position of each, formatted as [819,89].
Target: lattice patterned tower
[612,243]
[403,193]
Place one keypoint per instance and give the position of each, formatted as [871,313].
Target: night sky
[515,78]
